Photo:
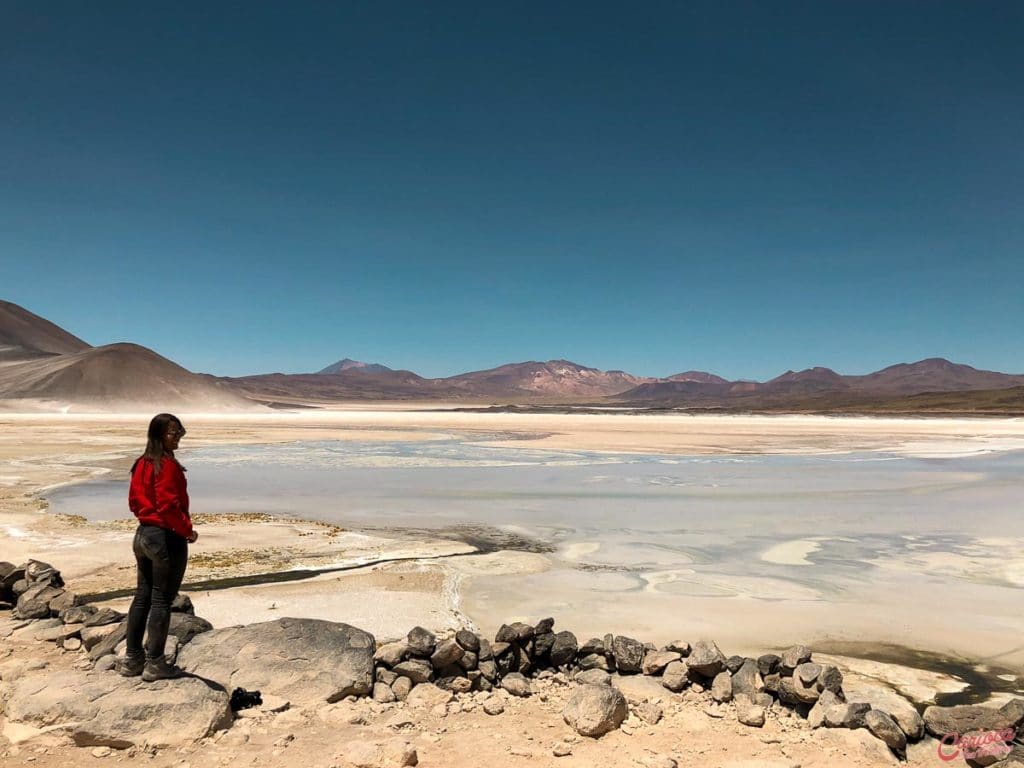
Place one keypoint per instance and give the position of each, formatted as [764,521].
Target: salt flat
[736,564]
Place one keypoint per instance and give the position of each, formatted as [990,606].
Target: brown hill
[115,377]
[25,335]
[934,374]
[347,384]
[551,379]
[701,377]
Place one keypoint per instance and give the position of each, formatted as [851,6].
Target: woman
[159,498]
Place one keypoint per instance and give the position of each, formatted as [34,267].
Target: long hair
[158,426]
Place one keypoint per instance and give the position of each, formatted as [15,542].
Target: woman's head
[165,431]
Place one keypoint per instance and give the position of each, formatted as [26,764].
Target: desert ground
[390,583]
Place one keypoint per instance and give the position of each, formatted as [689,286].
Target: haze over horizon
[741,191]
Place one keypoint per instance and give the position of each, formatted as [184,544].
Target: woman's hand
[193,537]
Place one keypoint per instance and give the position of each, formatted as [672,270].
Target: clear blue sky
[735,187]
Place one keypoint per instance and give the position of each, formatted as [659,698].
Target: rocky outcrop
[302,660]
[106,709]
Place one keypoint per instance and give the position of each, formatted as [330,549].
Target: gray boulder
[830,679]
[563,649]
[655,661]
[516,684]
[884,727]
[467,641]
[594,710]
[109,710]
[593,677]
[417,670]
[846,715]
[721,687]
[808,673]
[38,572]
[676,676]
[34,602]
[77,614]
[705,659]
[964,718]
[794,656]
[102,617]
[421,642]
[679,646]
[302,660]
[768,663]
[898,708]
[629,655]
[447,653]
[792,690]
[593,645]
[816,717]
[747,679]
[391,653]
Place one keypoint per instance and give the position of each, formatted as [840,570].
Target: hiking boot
[130,666]
[159,669]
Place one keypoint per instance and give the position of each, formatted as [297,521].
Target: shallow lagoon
[918,551]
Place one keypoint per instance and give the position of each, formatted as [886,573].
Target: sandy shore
[392,581]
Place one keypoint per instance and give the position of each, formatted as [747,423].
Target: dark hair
[158,426]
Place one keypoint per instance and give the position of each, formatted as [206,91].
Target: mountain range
[44,364]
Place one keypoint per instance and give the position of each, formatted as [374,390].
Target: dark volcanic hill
[116,376]
[24,335]
[355,365]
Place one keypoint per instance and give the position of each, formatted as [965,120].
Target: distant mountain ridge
[41,361]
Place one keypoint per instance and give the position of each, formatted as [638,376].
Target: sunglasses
[179,432]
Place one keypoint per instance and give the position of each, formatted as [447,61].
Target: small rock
[657,761]
[751,715]
[401,688]
[885,728]
[594,710]
[447,653]
[391,753]
[629,655]
[795,656]
[417,670]
[392,653]
[421,642]
[72,644]
[679,646]
[467,641]
[721,688]
[676,676]
[768,664]
[427,696]
[561,749]
[382,692]
[593,677]
[563,649]
[516,684]
[846,715]
[102,752]
[648,712]
[493,705]
[655,661]
[706,659]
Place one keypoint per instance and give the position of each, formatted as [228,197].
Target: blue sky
[734,187]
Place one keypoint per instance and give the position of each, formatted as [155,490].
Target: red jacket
[161,501]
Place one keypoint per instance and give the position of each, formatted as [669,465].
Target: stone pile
[306,661]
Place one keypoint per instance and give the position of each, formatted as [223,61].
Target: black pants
[160,558]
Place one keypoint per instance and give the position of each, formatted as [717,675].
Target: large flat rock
[105,709]
[303,660]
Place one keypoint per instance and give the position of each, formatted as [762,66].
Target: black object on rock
[243,699]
